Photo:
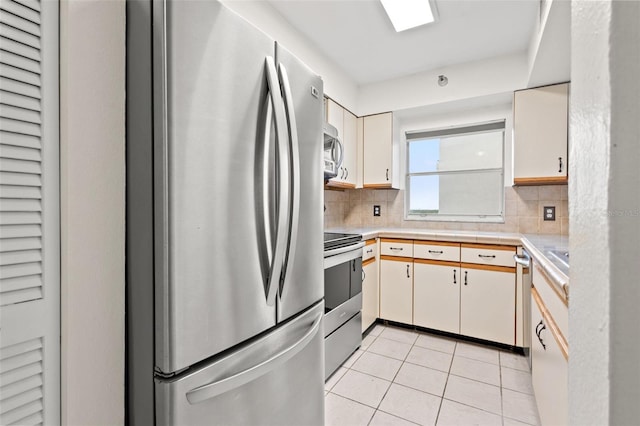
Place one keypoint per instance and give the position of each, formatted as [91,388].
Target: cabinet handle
[395,248]
[488,256]
[560,161]
[454,276]
[387,174]
[347,173]
[408,276]
[465,277]
[539,331]
[436,251]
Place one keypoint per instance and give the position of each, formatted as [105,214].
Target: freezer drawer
[280,376]
[342,343]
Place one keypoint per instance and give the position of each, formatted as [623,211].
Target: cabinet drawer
[436,250]
[552,298]
[396,247]
[488,254]
[370,250]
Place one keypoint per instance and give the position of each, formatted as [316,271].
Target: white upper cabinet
[378,151]
[346,123]
[540,127]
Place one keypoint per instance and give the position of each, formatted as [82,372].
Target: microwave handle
[337,146]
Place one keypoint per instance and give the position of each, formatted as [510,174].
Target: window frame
[466,129]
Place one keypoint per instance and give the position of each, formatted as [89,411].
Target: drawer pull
[369,251]
[395,248]
[488,256]
[436,251]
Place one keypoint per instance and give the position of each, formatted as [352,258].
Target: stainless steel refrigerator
[224,222]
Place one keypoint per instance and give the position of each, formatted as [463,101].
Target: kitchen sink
[561,255]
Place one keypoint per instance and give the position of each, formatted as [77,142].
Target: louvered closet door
[29,213]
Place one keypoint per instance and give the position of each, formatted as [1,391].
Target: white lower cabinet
[396,290]
[370,293]
[488,305]
[436,296]
[549,371]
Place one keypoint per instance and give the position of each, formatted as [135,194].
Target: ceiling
[359,37]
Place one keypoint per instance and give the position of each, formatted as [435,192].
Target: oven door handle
[342,254]
[341,250]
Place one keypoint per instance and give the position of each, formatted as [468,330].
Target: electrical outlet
[549,213]
[376,210]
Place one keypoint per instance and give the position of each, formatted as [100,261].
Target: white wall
[337,84]
[470,80]
[92,96]
[604,348]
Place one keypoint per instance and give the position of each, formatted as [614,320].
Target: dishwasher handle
[524,259]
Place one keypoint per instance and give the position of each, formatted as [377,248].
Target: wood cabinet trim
[377,185]
[436,243]
[369,242]
[550,322]
[395,240]
[489,246]
[341,185]
[550,180]
[437,262]
[396,258]
[368,261]
[549,282]
[488,267]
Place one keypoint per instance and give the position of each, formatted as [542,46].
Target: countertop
[538,246]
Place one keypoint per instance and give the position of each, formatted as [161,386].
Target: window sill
[468,219]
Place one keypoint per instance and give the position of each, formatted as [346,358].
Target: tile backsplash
[523,211]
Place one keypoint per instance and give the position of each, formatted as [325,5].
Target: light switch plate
[549,213]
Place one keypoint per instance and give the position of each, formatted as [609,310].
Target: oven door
[342,285]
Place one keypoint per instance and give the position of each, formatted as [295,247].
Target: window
[456,174]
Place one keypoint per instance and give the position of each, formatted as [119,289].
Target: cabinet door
[370,293]
[436,297]
[540,134]
[396,290]
[549,372]
[378,150]
[488,305]
[350,141]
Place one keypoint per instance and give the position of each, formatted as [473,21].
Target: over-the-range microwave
[333,151]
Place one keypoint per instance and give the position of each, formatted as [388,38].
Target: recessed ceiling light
[405,14]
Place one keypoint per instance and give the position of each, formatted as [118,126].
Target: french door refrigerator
[224,222]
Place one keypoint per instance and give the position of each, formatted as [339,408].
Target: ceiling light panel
[405,14]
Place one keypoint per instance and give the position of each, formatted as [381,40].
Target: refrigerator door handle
[282,231]
[294,150]
[226,384]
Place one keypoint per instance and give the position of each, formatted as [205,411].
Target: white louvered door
[29,213]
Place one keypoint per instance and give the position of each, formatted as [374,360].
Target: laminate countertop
[540,247]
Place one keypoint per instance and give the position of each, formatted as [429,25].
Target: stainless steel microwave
[333,151]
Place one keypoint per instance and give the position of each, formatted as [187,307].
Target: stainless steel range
[343,297]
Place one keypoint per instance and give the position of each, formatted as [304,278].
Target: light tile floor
[404,377]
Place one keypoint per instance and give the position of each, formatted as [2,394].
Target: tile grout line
[444,390]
